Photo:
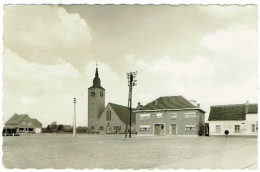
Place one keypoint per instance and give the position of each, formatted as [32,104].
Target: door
[38,130]
[157,129]
[174,129]
[109,129]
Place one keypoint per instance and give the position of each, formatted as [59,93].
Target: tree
[54,126]
[60,127]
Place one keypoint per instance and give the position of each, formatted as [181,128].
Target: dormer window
[93,94]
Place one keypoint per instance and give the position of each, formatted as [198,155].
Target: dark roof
[36,122]
[168,102]
[123,113]
[96,81]
[16,119]
[231,112]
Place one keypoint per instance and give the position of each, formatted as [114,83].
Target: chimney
[139,105]
[246,108]
[198,105]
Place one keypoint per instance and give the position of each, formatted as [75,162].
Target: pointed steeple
[96,80]
[96,74]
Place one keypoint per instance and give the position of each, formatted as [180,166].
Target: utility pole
[74,118]
[131,82]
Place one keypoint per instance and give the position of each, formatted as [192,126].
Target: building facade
[96,102]
[173,115]
[238,119]
[24,124]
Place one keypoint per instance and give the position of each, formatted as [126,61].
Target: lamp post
[131,82]
[74,118]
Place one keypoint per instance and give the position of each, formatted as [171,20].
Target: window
[190,127]
[24,123]
[29,123]
[117,128]
[159,115]
[144,116]
[253,127]
[144,127]
[93,94]
[237,128]
[256,126]
[191,115]
[218,129]
[173,116]
[92,128]
[101,128]
[101,94]
[108,115]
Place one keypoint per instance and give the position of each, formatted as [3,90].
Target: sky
[204,53]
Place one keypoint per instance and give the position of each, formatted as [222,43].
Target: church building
[110,119]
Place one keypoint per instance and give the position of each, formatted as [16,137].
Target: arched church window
[93,94]
[108,115]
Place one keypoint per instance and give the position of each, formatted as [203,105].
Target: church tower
[96,102]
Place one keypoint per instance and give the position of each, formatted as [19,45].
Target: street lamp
[74,118]
[131,82]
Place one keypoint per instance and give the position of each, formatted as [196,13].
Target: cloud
[224,71]
[45,34]
[42,91]
[45,91]
[199,68]
[233,50]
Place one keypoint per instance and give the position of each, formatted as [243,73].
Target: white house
[238,119]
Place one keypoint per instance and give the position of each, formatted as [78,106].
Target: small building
[114,119]
[24,124]
[170,115]
[238,119]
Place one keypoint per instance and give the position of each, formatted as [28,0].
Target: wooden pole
[74,118]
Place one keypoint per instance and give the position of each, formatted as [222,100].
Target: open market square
[61,151]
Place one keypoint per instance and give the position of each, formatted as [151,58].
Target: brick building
[173,115]
[238,119]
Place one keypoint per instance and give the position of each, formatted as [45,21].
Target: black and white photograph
[130,86]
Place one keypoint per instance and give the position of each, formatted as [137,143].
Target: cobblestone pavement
[61,151]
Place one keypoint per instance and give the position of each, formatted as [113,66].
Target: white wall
[245,126]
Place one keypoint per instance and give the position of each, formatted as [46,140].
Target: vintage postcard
[130,86]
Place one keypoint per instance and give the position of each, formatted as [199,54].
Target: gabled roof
[16,119]
[231,112]
[36,122]
[169,102]
[123,113]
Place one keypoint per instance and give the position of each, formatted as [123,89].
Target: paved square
[140,152]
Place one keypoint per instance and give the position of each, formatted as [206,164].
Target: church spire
[96,80]
[96,74]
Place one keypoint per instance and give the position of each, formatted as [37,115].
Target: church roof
[231,112]
[96,81]
[123,113]
[169,102]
